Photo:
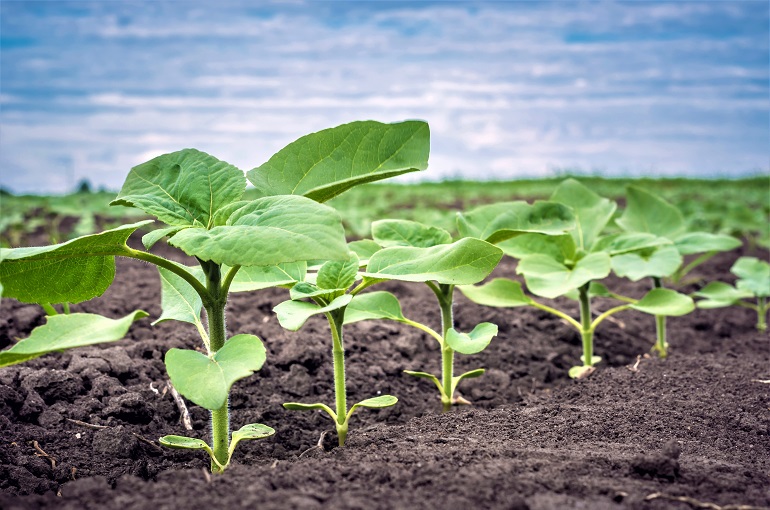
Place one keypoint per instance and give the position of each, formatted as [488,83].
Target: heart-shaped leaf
[500,292]
[463,262]
[389,233]
[184,188]
[473,342]
[646,212]
[71,272]
[267,232]
[67,331]
[324,164]
[262,277]
[374,305]
[338,274]
[720,295]
[702,242]
[548,278]
[753,274]
[592,212]
[206,380]
[495,223]
[561,248]
[179,301]
[659,263]
[665,302]
[293,314]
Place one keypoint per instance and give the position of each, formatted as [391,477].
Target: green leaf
[374,305]
[389,233]
[267,232]
[500,292]
[70,272]
[338,274]
[592,212]
[549,278]
[179,301]
[648,213]
[297,406]
[467,375]
[67,331]
[753,274]
[249,432]
[702,242]
[473,342]
[364,248]
[185,443]
[720,295]
[375,403]
[664,302]
[659,263]
[206,380]
[561,248]
[149,239]
[293,314]
[184,188]
[463,262]
[262,277]
[306,290]
[495,223]
[617,244]
[324,164]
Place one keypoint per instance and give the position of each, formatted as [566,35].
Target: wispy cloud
[510,88]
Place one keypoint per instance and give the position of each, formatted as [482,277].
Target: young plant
[648,213]
[240,244]
[753,282]
[571,265]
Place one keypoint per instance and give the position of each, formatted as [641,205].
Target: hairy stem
[586,329]
[445,300]
[215,312]
[202,291]
[761,313]
[336,319]
[661,345]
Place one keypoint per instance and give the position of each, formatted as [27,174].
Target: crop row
[287,237]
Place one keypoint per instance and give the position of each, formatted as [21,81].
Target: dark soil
[694,426]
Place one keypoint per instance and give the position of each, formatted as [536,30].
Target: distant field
[739,207]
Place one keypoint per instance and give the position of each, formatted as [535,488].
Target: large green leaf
[664,302]
[338,274]
[649,213]
[263,277]
[720,294]
[473,342]
[500,292]
[75,271]
[561,248]
[179,301]
[659,263]
[324,164]
[627,242]
[206,380]
[702,242]
[463,262]
[364,248]
[389,233]
[753,274]
[592,212]
[549,278]
[497,222]
[182,188]
[374,305]
[267,232]
[293,314]
[67,331]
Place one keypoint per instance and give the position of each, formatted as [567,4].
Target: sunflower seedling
[753,282]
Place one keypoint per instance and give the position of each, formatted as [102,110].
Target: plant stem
[761,312]
[49,309]
[445,299]
[215,312]
[336,319]
[586,329]
[661,345]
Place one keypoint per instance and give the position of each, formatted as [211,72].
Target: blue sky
[511,89]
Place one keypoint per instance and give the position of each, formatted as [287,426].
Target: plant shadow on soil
[696,425]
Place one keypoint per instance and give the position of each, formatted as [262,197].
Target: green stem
[761,312]
[444,294]
[557,313]
[215,312]
[586,329]
[66,307]
[336,319]
[49,309]
[661,345]
[692,265]
[202,291]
